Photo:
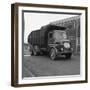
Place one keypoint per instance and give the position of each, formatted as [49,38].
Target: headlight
[67,45]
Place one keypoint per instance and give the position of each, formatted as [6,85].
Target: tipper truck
[50,39]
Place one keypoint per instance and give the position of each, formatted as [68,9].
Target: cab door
[50,38]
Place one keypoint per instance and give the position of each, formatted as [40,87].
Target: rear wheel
[53,54]
[31,49]
[36,50]
[68,56]
[31,52]
[35,53]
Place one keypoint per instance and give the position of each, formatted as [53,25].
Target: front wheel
[53,54]
[68,56]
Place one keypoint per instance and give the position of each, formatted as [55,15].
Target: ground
[36,66]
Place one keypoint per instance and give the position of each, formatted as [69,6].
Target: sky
[34,21]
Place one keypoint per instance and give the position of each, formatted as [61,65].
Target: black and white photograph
[51,44]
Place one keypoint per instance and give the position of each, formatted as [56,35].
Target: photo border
[14,43]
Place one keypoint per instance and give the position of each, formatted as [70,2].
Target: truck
[51,40]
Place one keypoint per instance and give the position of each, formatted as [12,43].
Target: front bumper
[58,53]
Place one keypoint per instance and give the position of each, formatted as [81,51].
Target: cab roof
[53,27]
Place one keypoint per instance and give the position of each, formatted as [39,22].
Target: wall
[5,45]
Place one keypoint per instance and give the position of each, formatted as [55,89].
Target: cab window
[50,35]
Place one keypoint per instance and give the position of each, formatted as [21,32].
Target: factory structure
[73,31]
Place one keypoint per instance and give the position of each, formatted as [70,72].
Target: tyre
[31,49]
[52,54]
[34,53]
[31,53]
[68,56]
[36,50]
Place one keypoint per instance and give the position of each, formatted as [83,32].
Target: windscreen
[59,35]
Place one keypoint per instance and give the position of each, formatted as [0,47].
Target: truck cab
[59,44]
